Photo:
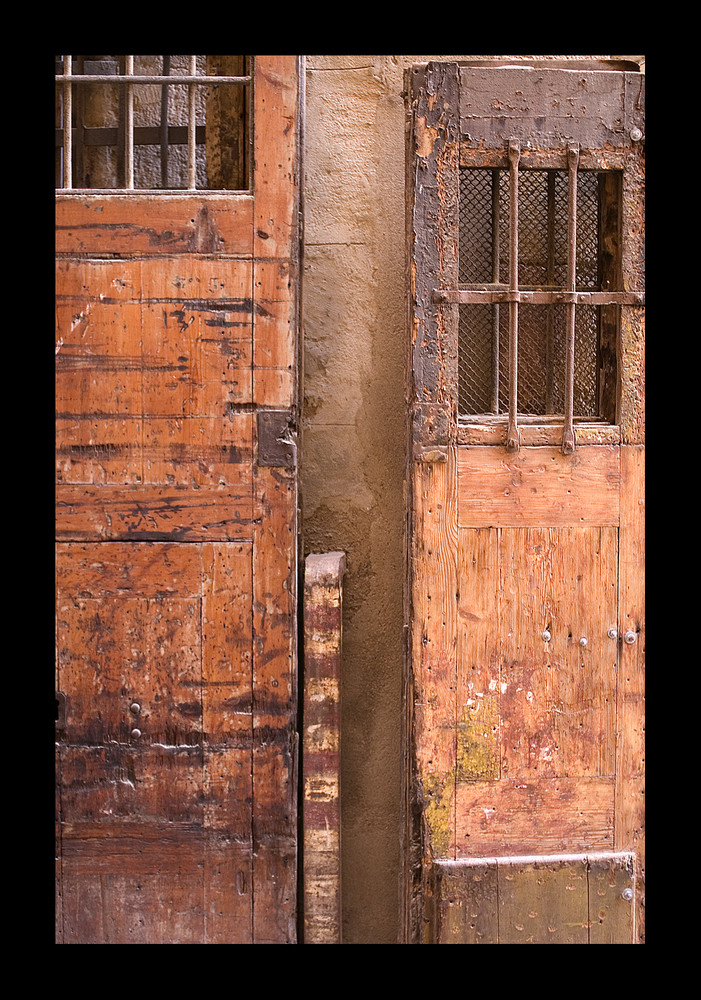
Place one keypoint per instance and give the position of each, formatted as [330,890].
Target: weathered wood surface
[525,704]
[547,107]
[562,899]
[321,747]
[538,486]
[176,550]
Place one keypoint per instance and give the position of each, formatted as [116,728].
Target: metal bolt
[627,894]
[546,636]
[613,633]
[583,641]
[135,708]
[636,135]
[136,733]
[630,638]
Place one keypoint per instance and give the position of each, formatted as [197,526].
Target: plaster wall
[353,439]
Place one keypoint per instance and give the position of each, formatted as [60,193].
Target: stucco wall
[353,439]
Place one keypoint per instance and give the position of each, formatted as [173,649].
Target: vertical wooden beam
[321,735]
[277,81]
[630,749]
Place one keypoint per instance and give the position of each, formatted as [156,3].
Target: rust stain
[425,137]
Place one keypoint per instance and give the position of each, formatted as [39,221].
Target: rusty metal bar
[568,430]
[495,278]
[141,79]
[191,125]
[67,125]
[129,129]
[165,92]
[538,296]
[512,429]
[549,333]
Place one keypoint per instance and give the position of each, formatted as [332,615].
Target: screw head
[613,633]
[136,733]
[630,638]
[636,135]
[546,636]
[135,708]
[583,641]
[627,894]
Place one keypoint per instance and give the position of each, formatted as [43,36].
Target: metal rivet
[636,135]
[613,633]
[630,638]
[627,894]
[136,732]
[582,641]
[546,636]
[135,708]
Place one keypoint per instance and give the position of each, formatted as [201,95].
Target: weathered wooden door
[524,762]
[176,499]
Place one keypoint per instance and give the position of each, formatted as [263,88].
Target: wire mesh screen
[542,251]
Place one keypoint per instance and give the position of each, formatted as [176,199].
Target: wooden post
[321,729]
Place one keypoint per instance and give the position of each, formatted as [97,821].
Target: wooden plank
[555,899]
[466,902]
[544,901]
[612,899]
[155,513]
[630,762]
[142,224]
[478,681]
[434,640]
[274,706]
[542,106]
[321,745]
[508,817]
[538,486]
[558,696]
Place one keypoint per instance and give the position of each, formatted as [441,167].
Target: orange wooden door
[525,759]
[176,532]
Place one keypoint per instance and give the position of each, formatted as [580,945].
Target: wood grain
[538,486]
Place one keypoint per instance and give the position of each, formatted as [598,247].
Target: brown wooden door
[176,521]
[525,759]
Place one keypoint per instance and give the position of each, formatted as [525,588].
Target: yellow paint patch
[478,745]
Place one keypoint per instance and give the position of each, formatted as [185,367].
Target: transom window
[153,122]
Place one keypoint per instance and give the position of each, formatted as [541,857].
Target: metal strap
[512,442]
[568,430]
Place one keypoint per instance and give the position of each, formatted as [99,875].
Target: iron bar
[129,129]
[568,430]
[68,78]
[512,429]
[67,126]
[550,281]
[536,296]
[495,278]
[191,123]
[164,123]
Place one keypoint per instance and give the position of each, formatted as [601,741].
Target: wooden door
[176,522]
[524,695]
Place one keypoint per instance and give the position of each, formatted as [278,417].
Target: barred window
[542,268]
[153,123]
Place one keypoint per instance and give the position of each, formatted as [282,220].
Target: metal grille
[484,262]
[153,122]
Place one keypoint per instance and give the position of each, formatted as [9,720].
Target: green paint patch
[477,741]
[438,796]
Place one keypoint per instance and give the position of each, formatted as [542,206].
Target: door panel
[176,554]
[525,694]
